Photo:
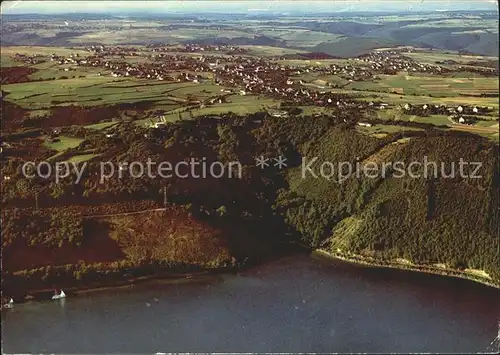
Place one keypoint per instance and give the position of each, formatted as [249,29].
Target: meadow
[145,34]
[383,130]
[264,51]
[464,84]
[42,51]
[237,104]
[432,57]
[106,90]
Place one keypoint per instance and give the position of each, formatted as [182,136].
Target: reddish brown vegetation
[12,115]
[76,115]
[170,235]
[27,149]
[98,247]
[317,55]
[12,75]
[313,55]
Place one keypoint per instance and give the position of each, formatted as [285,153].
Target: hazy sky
[235,6]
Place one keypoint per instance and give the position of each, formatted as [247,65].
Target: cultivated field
[461,84]
[105,90]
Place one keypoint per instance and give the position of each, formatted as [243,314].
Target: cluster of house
[74,58]
[30,59]
[465,120]
[109,50]
[392,62]
[168,70]
[348,71]
[445,110]
[460,114]
[163,70]
[163,48]
[194,48]
[369,65]
[479,70]
[257,76]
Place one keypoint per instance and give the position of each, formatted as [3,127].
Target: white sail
[60,295]
[10,304]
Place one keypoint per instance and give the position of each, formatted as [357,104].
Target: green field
[64,143]
[380,131]
[270,51]
[397,99]
[317,62]
[241,105]
[44,51]
[434,57]
[147,33]
[81,158]
[101,126]
[50,70]
[238,104]
[8,61]
[436,86]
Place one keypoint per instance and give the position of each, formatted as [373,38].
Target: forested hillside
[452,221]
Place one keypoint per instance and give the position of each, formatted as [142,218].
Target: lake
[297,303]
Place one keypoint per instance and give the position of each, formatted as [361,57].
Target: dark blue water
[295,304]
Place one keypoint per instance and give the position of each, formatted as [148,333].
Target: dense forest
[438,219]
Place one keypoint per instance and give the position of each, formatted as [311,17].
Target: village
[238,73]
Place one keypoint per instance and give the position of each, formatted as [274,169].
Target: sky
[245,6]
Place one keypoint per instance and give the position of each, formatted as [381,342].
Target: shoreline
[124,279]
[427,269]
[169,276]
[105,285]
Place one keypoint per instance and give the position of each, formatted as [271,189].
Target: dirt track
[475,129]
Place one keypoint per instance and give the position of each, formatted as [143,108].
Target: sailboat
[58,296]
[10,304]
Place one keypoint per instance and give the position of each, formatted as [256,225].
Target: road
[474,128]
